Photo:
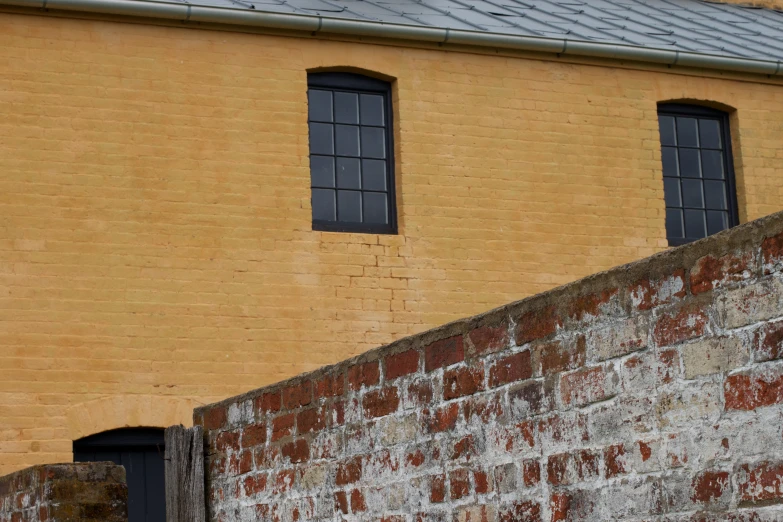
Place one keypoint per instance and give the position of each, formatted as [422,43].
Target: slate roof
[697,26]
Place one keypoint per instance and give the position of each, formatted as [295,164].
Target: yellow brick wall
[155,241]
[771,4]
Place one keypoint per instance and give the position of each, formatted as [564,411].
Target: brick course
[624,396]
[84,492]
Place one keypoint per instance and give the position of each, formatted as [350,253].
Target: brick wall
[156,250]
[653,391]
[87,492]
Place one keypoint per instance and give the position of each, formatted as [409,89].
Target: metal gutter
[315,24]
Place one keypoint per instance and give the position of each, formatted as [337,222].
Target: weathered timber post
[185,474]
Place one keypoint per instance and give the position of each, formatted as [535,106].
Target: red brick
[254,435]
[415,459]
[531,472]
[748,391]
[309,420]
[227,440]
[768,342]
[586,386]
[685,323]
[484,407]
[341,502]
[513,368]
[537,324]
[530,398]
[329,386]
[614,460]
[460,382]
[420,392]
[444,353]
[297,451]
[460,483]
[282,426]
[381,402]
[298,395]
[254,485]
[240,463]
[559,506]
[482,482]
[269,402]
[590,305]
[524,511]
[557,469]
[464,448]
[761,482]
[668,365]
[357,501]
[437,488]
[574,505]
[349,471]
[367,374]
[489,339]
[215,418]
[650,294]
[553,357]
[444,419]
[772,252]
[709,272]
[401,364]
[709,486]
[645,450]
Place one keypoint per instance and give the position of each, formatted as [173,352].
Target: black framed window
[698,173]
[351,153]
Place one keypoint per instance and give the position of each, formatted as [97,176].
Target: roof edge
[316,24]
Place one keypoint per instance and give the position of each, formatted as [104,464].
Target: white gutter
[319,24]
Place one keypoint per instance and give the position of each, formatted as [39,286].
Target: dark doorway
[140,451]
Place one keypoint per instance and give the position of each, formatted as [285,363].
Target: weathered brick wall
[653,391]
[85,492]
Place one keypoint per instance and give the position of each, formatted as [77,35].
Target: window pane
[375,209]
[319,105]
[322,171]
[717,221]
[346,107]
[674,226]
[686,132]
[321,139]
[671,192]
[373,174]
[347,140]
[666,126]
[715,194]
[372,110]
[695,227]
[349,203]
[712,164]
[709,134]
[691,193]
[348,175]
[669,159]
[373,142]
[689,163]
[323,205]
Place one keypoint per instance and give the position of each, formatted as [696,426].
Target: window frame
[681,109]
[357,83]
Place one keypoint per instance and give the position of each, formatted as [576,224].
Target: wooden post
[185,474]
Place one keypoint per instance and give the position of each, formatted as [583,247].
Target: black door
[140,450]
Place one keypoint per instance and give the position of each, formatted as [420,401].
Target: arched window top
[347,80]
[124,437]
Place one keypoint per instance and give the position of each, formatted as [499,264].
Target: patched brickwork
[650,392]
[84,492]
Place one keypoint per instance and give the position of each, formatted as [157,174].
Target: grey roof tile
[684,25]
